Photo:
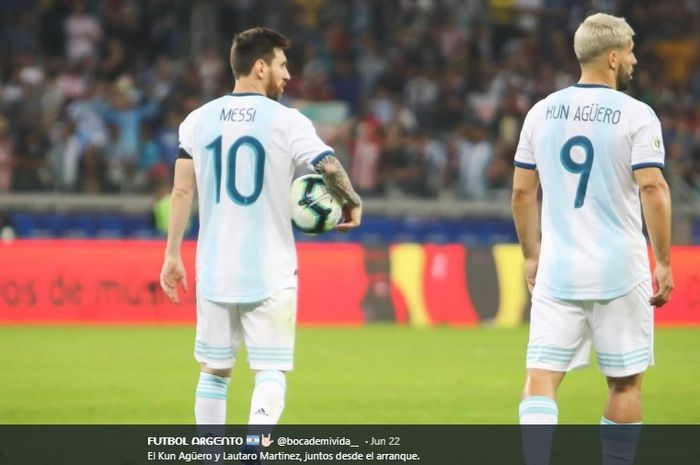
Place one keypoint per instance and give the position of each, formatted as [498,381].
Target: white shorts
[267,328]
[621,329]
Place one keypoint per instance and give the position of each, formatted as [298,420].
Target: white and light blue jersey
[245,148]
[585,142]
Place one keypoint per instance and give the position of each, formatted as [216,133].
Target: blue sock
[619,441]
[538,417]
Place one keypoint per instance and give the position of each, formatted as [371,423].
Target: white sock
[538,417]
[619,441]
[538,410]
[210,399]
[267,402]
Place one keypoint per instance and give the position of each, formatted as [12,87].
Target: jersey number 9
[583,168]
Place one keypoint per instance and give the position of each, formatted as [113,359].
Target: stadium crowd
[92,92]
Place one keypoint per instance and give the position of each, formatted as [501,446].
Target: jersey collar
[592,86]
[245,94]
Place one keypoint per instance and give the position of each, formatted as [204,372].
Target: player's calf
[210,397]
[621,422]
[267,402]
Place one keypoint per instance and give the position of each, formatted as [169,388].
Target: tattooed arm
[338,183]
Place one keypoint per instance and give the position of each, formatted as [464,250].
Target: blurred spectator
[30,169]
[84,113]
[161,207]
[83,33]
[124,110]
[346,83]
[7,232]
[212,70]
[150,163]
[64,156]
[92,171]
[475,154]
[435,158]
[403,164]
[167,138]
[6,156]
[365,154]
[21,32]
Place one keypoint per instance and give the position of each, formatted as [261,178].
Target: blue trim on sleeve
[321,156]
[648,165]
[527,166]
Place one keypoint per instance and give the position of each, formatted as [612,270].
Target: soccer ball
[314,209]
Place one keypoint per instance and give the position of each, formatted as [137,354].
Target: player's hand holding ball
[352,216]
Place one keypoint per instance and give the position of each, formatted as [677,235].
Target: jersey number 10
[258,152]
[584,168]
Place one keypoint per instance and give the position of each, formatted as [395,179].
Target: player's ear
[612,59]
[259,67]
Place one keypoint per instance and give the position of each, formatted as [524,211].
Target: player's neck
[244,86]
[595,77]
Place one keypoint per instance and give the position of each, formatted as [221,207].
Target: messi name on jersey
[593,113]
[237,115]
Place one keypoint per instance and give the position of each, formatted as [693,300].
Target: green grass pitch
[374,374]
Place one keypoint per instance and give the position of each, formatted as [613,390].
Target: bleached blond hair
[598,33]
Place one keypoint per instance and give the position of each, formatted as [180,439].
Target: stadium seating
[375,230]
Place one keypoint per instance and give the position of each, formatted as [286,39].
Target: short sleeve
[304,144]
[647,142]
[525,153]
[186,136]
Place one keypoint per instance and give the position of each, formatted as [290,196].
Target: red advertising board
[116,282]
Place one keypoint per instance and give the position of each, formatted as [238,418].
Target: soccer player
[595,151]
[240,152]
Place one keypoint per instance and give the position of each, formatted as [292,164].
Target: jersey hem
[243,298]
[592,295]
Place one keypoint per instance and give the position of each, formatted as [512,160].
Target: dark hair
[252,45]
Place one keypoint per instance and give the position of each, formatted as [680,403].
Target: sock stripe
[525,406]
[626,432]
[210,394]
[212,386]
[216,379]
[538,410]
[271,377]
[543,399]
[531,410]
